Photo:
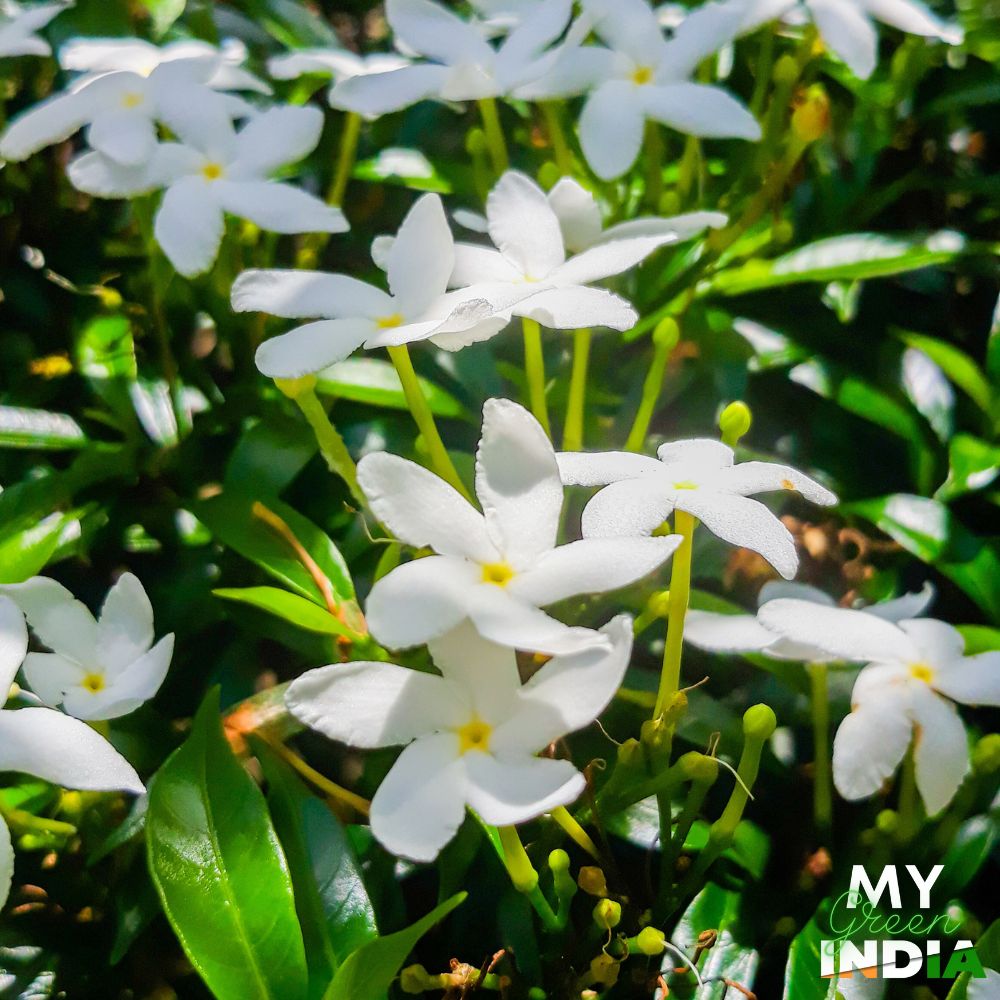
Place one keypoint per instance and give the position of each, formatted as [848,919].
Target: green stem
[25,822]
[424,418]
[677,605]
[576,402]
[909,806]
[564,818]
[331,444]
[672,850]
[654,164]
[688,168]
[765,60]
[345,158]
[524,877]
[494,134]
[665,338]
[534,370]
[822,776]
[551,112]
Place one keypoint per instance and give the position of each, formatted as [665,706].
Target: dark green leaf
[270,455]
[292,608]
[25,553]
[988,950]
[956,364]
[973,465]
[105,349]
[371,380]
[24,428]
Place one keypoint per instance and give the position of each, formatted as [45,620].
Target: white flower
[47,744]
[98,669]
[18,26]
[466,66]
[721,633]
[697,476]
[419,264]
[916,670]
[500,16]
[135,55]
[500,567]
[471,735]
[641,76]
[846,26]
[218,170]
[984,989]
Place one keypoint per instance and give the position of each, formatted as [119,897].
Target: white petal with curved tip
[514,789]
[848,32]
[13,644]
[279,208]
[627,508]
[579,468]
[374,704]
[940,748]
[675,227]
[306,294]
[774,590]
[422,257]
[907,606]
[761,477]
[421,509]
[189,226]
[435,32]
[421,802]
[916,18]
[592,566]
[869,746]
[726,633]
[475,264]
[523,225]
[201,118]
[275,137]
[54,747]
[383,93]
[850,635]
[327,61]
[125,624]
[972,680]
[938,644]
[50,676]
[611,127]
[420,600]
[133,686]
[628,26]
[46,123]
[126,136]
[699,109]
[312,347]
[607,259]
[98,175]
[517,481]
[6,862]
[744,522]
[57,618]
[696,453]
[574,70]
[578,213]
[540,27]
[701,33]
[577,306]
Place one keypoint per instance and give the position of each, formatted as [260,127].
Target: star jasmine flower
[18,25]
[46,744]
[915,671]
[643,76]
[470,735]
[98,668]
[501,16]
[720,633]
[847,26]
[355,313]
[465,66]
[499,567]
[136,55]
[697,476]
[215,170]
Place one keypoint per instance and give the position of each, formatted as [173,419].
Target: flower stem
[494,134]
[654,164]
[345,158]
[908,806]
[677,605]
[331,444]
[576,833]
[424,418]
[534,370]
[324,784]
[560,147]
[665,338]
[576,402]
[822,777]
[524,877]
[690,812]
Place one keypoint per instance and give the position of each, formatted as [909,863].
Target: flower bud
[558,861]
[670,203]
[548,175]
[659,603]
[414,979]
[604,970]
[786,70]
[607,914]
[666,333]
[887,822]
[592,881]
[699,767]
[295,387]
[475,142]
[734,422]
[650,941]
[759,722]
[986,754]
[110,298]
[811,115]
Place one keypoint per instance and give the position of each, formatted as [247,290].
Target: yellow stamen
[51,366]
[388,322]
[685,484]
[93,683]
[787,484]
[499,573]
[922,672]
[132,100]
[642,75]
[474,735]
[211,171]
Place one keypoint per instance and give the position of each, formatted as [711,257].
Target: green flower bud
[548,175]
[759,722]
[650,941]
[699,767]
[786,70]
[666,333]
[559,861]
[659,603]
[811,115]
[670,203]
[592,881]
[887,822]
[986,754]
[734,422]
[607,914]
[475,142]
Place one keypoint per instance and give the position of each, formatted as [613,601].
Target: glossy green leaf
[105,349]
[407,167]
[969,850]
[270,455]
[956,364]
[291,607]
[24,428]
[802,972]
[220,871]
[973,464]
[979,638]
[368,972]
[25,553]
[374,381]
[164,13]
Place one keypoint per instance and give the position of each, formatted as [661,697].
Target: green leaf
[841,258]
[105,349]
[972,465]
[802,973]
[979,638]
[406,167]
[956,364]
[164,13]
[368,972]
[332,902]
[291,607]
[988,950]
[270,455]
[373,381]
[220,871]
[969,850]
[24,428]
[25,553]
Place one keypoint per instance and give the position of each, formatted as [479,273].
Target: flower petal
[374,704]
[592,566]
[421,509]
[849,32]
[421,802]
[577,306]
[628,26]
[574,69]
[696,453]
[869,745]
[57,618]
[702,33]
[475,265]
[126,136]
[908,606]
[133,686]
[773,590]
[542,24]
[611,127]
[6,862]
[579,468]
[523,225]
[514,789]
[306,294]
[720,633]
[627,508]
[916,18]
[674,227]
[972,680]
[46,123]
[125,624]
[761,477]
[382,93]
[699,109]
[54,747]
[275,137]
[578,213]
[937,643]
[435,32]
[13,644]
[198,116]
[189,226]
[517,481]
[279,208]
[608,258]
[422,257]
[940,748]
[98,175]
[311,347]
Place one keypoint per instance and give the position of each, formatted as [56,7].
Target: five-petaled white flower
[916,670]
[18,26]
[98,668]
[697,476]
[47,744]
[471,735]
[643,76]
[846,26]
[419,263]
[499,567]
[217,170]
[466,66]
[721,633]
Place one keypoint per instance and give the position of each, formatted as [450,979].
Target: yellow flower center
[131,100]
[51,366]
[93,683]
[499,573]
[685,484]
[211,171]
[388,322]
[787,484]
[642,75]
[922,672]
[474,735]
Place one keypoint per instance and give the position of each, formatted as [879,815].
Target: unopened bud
[811,116]
[295,387]
[786,70]
[607,914]
[659,603]
[986,754]
[666,333]
[592,881]
[630,753]
[734,422]
[548,175]
[110,298]
[759,722]
[650,941]
[887,822]
[475,142]
[670,203]
[604,970]
[559,861]
[699,767]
